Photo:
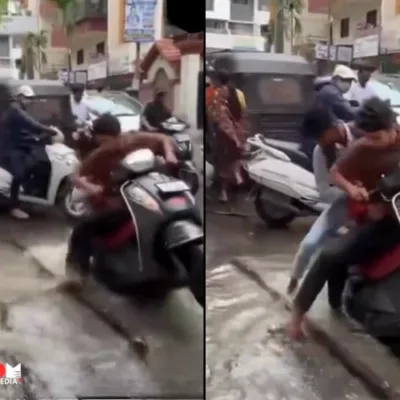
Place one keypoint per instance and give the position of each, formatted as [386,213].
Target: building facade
[21,18]
[242,24]
[371,28]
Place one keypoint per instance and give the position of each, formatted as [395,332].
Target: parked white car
[119,104]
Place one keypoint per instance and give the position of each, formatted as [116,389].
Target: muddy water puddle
[249,355]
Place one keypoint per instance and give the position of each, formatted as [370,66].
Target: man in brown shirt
[94,177]
[357,173]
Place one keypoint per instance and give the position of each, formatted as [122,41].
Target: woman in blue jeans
[333,135]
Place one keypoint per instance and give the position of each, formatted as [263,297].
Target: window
[263,5]
[344,27]
[99,105]
[241,2]
[372,19]
[238,28]
[209,5]
[80,57]
[101,48]
[4,46]
[279,90]
[216,26]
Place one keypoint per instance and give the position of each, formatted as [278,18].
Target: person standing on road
[334,136]
[226,116]
[362,90]
[80,109]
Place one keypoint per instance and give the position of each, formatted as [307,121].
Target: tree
[33,54]
[66,18]
[284,22]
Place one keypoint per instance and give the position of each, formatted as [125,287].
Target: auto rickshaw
[278,89]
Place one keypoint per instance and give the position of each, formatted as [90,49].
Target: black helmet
[375,115]
[106,124]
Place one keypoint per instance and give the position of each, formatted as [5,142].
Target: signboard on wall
[321,52]
[139,21]
[367,46]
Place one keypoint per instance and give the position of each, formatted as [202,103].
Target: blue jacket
[20,128]
[19,134]
[331,97]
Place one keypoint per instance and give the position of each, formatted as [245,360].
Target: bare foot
[223,196]
[294,328]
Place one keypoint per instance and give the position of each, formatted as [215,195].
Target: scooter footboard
[179,233]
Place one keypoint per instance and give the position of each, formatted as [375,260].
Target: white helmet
[344,72]
[25,91]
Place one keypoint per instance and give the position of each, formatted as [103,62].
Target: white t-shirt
[80,110]
[359,93]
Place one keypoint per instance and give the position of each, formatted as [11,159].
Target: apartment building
[242,24]
[236,24]
[21,18]
[88,41]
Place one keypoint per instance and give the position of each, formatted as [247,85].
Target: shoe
[19,214]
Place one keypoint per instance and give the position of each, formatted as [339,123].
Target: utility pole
[330,32]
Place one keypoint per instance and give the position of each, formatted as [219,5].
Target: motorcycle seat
[292,150]
[382,267]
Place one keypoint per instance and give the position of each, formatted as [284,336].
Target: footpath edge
[379,370]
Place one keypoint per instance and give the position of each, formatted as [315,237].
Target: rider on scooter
[357,173]
[156,112]
[332,136]
[22,136]
[94,177]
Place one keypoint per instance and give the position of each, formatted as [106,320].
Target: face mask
[344,86]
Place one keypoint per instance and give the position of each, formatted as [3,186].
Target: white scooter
[284,189]
[52,189]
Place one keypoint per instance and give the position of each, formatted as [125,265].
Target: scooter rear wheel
[277,220]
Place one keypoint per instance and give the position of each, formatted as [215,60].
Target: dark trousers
[362,245]
[81,242]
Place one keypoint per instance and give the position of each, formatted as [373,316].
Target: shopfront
[367,49]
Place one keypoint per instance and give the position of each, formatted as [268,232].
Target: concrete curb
[179,310]
[379,370]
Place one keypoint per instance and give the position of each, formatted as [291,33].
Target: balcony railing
[90,9]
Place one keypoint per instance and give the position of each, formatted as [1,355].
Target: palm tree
[33,54]
[66,10]
[284,22]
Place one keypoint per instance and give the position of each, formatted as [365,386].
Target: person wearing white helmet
[21,139]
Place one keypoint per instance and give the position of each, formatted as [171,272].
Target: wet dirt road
[248,353]
[70,348]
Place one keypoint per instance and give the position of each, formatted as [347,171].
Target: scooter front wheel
[270,212]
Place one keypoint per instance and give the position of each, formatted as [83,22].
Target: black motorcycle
[187,170]
[161,246]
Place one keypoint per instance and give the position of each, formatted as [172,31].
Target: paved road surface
[248,353]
